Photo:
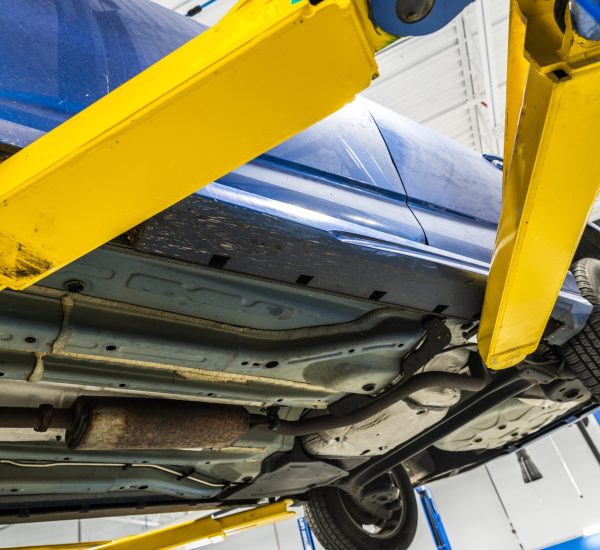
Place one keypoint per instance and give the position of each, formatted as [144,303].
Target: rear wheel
[387,522]
[582,352]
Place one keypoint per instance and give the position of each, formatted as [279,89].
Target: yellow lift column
[551,177]
[187,532]
[268,70]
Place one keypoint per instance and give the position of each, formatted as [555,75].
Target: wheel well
[589,245]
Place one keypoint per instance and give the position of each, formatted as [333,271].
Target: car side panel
[455,193]
[336,176]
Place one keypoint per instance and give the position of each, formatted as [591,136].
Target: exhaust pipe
[113,423]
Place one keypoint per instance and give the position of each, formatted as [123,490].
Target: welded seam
[304,332]
[59,344]
[201,374]
[38,370]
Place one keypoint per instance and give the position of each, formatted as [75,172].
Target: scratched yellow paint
[551,178]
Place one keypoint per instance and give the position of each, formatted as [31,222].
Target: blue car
[304,327]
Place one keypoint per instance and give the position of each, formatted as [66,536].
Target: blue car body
[365,175]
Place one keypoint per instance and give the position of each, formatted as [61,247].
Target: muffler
[114,423]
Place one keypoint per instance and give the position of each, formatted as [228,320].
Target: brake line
[109,465]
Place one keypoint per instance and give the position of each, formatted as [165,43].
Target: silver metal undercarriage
[206,336]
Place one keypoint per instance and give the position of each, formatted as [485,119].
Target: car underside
[304,327]
[135,380]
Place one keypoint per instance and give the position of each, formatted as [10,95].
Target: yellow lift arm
[71,546]
[187,532]
[269,69]
[551,177]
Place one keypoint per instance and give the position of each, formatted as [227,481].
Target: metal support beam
[551,177]
[268,70]
[505,386]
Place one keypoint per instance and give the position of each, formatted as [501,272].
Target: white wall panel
[558,507]
[472,514]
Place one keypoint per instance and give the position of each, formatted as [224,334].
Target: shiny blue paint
[586,18]
[367,176]
[206,4]
[347,144]
[581,543]
[336,176]
[455,193]
[496,161]
[59,56]
[442,12]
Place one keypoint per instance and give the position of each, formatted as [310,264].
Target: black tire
[582,352]
[329,518]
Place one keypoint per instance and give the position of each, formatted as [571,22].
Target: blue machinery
[306,535]
[434,520]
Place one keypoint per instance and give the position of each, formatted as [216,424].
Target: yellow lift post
[187,532]
[268,70]
[551,177]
